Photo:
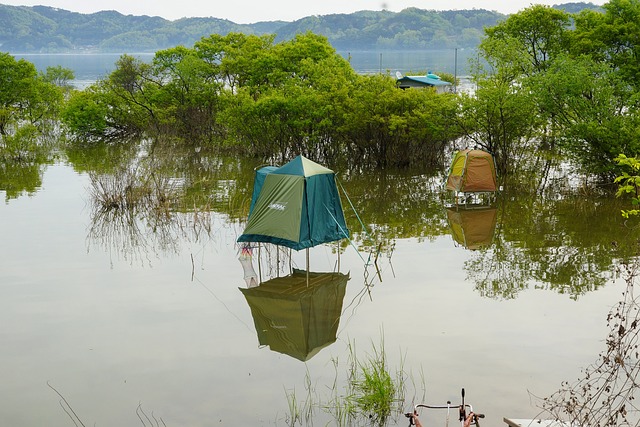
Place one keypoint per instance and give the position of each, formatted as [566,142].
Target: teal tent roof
[418,81]
[261,174]
[296,205]
[301,166]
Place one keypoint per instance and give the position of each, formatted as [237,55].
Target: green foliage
[371,394]
[85,115]
[580,84]
[238,60]
[540,33]
[185,92]
[28,111]
[386,126]
[26,97]
[291,96]
[499,119]
[540,87]
[629,183]
[612,37]
[16,81]
[23,146]
[267,99]
[59,76]
[116,107]
[21,159]
[374,388]
[593,111]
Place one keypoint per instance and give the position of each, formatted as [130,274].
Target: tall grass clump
[375,391]
[365,392]
[372,392]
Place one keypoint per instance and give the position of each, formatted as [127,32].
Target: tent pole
[307,267]
[338,256]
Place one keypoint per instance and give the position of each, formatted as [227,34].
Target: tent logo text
[280,206]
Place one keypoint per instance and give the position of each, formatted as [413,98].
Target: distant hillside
[42,29]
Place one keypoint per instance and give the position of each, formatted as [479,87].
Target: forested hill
[41,29]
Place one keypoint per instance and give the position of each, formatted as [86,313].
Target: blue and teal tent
[296,205]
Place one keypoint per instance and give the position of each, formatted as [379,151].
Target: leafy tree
[503,115]
[612,37]
[289,97]
[118,106]
[186,92]
[629,183]
[16,84]
[499,117]
[26,97]
[59,76]
[581,84]
[593,111]
[85,114]
[386,126]
[237,59]
[539,32]
[127,99]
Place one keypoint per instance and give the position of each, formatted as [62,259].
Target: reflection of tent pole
[307,266]
[338,256]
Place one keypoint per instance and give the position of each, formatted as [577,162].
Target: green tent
[296,318]
[296,205]
[472,171]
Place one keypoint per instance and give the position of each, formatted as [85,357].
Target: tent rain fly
[472,171]
[296,205]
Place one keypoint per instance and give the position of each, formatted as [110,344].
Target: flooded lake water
[125,318]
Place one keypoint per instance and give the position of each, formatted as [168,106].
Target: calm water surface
[120,322]
[90,67]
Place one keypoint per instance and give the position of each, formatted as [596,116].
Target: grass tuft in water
[371,393]
[375,392]
[364,392]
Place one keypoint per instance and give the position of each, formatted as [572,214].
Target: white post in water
[455,72]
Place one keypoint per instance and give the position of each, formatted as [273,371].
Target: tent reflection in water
[296,206]
[296,318]
[472,228]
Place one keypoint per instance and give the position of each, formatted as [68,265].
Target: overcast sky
[250,11]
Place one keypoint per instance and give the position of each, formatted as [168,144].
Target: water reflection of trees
[142,202]
[133,214]
[23,158]
[395,205]
[149,198]
[605,393]
[565,245]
